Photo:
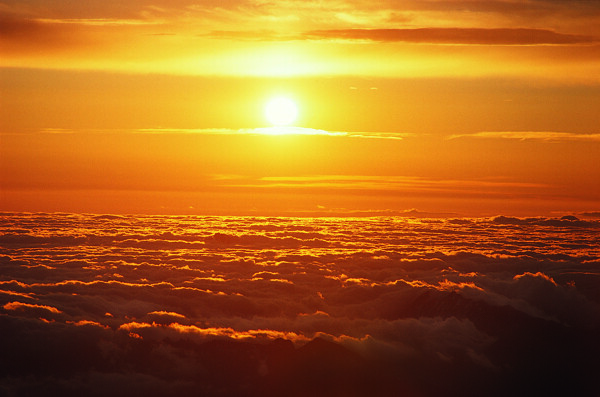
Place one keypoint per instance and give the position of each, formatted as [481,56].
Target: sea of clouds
[244,306]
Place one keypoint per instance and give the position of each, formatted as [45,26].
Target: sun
[281,111]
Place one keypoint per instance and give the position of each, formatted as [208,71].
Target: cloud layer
[221,306]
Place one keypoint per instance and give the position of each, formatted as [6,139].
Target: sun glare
[281,111]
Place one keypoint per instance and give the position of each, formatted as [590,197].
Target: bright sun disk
[281,111]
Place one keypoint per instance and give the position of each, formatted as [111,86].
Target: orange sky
[474,107]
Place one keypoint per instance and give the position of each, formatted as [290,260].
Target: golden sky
[474,107]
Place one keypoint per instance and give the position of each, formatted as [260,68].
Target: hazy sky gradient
[492,105]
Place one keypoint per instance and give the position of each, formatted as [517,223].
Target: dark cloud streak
[476,36]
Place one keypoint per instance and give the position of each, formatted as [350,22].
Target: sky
[472,107]
[427,223]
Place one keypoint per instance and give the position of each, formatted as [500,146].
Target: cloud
[13,26]
[532,135]
[477,36]
[424,35]
[225,306]
[249,35]
[21,34]
[383,186]
[354,11]
[565,221]
[169,314]
[263,131]
[94,22]
[62,26]
[275,131]
[591,214]
[24,306]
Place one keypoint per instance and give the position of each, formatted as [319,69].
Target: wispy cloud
[97,21]
[532,135]
[269,131]
[386,185]
[243,131]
